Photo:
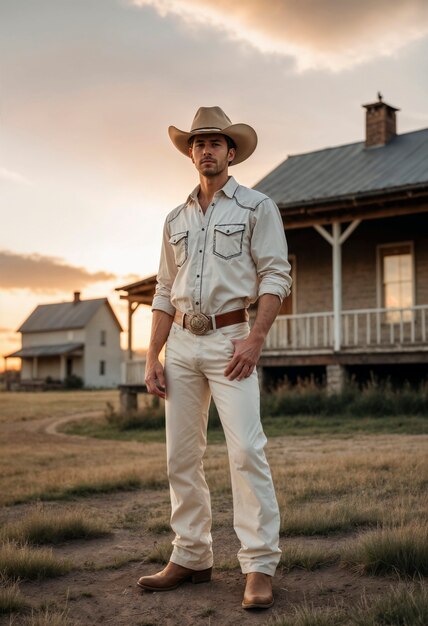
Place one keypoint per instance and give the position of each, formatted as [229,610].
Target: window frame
[381,252]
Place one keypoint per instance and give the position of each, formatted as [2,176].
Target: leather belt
[200,324]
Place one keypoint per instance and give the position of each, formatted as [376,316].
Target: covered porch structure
[133,370]
[52,363]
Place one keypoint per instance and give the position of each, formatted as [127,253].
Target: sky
[88,89]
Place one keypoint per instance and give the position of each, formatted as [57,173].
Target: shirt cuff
[162,303]
[282,291]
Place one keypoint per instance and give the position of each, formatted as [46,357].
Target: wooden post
[336,239]
[128,401]
[130,312]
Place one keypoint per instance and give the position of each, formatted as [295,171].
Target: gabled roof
[64,315]
[350,171]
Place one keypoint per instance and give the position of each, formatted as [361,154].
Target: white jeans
[194,367]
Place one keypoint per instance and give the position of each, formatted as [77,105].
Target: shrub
[147,418]
[73,382]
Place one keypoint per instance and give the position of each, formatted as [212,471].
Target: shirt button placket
[200,260]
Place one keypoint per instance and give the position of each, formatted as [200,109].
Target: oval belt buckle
[199,323]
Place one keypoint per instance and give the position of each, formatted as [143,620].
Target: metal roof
[64,315]
[54,350]
[349,170]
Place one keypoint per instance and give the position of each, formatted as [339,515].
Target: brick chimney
[76,297]
[381,124]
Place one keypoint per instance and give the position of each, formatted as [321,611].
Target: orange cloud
[45,274]
[332,33]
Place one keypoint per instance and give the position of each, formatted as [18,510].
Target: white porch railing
[363,329]
[133,372]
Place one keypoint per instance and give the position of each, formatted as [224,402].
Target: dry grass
[161,553]
[402,551]
[52,527]
[23,562]
[48,617]
[307,557]
[402,606]
[11,599]
[75,467]
[18,406]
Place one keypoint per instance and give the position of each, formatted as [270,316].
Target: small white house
[80,338]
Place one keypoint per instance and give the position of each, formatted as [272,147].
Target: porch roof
[52,350]
[350,171]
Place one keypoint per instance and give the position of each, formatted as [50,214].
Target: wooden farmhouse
[356,220]
[80,338]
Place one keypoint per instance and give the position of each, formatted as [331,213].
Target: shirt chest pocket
[179,243]
[228,239]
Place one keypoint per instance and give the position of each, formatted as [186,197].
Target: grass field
[352,495]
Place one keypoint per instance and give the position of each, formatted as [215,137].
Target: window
[102,368]
[103,338]
[397,281]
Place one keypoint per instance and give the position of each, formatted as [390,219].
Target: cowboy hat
[209,120]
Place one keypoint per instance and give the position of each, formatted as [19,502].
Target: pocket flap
[229,229]
[178,237]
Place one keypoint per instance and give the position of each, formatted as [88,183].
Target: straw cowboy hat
[209,120]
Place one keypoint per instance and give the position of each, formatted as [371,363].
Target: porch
[360,330]
[399,334]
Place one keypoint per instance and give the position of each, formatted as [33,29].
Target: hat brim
[244,136]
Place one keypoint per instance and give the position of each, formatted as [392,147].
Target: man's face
[210,154]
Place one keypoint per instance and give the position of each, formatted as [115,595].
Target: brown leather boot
[172,576]
[258,591]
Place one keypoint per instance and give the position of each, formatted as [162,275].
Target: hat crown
[208,118]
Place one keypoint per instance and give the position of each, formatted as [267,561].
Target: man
[223,249]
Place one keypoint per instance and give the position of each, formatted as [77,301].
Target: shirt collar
[228,189]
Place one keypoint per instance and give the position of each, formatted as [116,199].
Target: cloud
[333,34]
[45,274]
[13,177]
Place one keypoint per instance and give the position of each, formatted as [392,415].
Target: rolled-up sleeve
[270,251]
[165,277]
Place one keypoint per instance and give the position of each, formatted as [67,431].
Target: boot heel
[202,576]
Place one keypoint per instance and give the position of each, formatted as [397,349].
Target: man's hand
[155,378]
[245,358]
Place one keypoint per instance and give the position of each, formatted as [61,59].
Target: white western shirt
[223,260]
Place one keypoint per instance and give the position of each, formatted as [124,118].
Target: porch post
[34,368]
[62,367]
[337,286]
[336,239]
[130,311]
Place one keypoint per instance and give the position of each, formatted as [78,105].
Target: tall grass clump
[52,527]
[402,551]
[48,617]
[150,417]
[23,562]
[11,599]
[307,557]
[403,606]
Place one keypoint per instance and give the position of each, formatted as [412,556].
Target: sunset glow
[89,88]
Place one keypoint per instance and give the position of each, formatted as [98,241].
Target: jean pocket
[228,240]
